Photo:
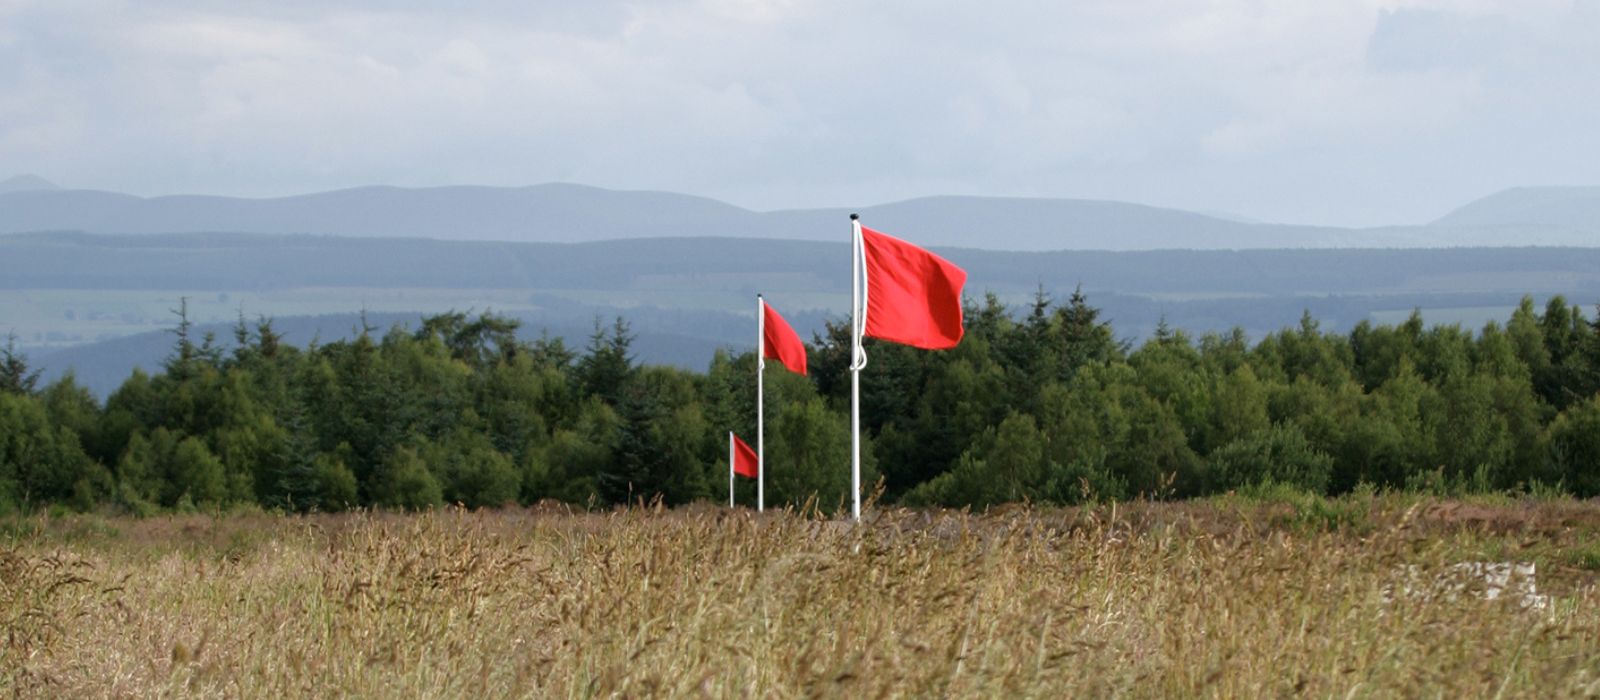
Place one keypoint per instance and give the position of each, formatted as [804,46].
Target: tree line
[1046,405]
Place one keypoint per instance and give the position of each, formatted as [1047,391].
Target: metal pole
[761,411]
[730,468]
[856,313]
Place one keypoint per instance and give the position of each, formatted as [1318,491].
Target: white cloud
[1289,110]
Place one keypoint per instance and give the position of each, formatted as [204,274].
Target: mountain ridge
[561,212]
[1574,207]
[26,183]
[687,296]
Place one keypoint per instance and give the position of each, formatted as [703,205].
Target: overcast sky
[1355,112]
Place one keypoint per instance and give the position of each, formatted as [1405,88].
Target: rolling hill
[571,213]
[99,303]
[566,213]
[1571,208]
[26,183]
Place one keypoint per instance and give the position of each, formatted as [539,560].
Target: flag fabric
[913,296]
[781,342]
[744,458]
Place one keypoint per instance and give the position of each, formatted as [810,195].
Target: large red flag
[744,458]
[913,296]
[782,343]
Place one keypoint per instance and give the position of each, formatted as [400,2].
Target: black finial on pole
[853,217]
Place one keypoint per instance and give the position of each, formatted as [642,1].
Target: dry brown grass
[1154,601]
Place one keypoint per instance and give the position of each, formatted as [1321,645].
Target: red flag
[781,342]
[744,458]
[913,296]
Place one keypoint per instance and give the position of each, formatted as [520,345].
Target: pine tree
[1082,338]
[15,378]
[608,365]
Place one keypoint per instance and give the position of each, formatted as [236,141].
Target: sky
[1340,112]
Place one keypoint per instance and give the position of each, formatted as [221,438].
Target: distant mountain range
[569,213]
[100,304]
[1571,208]
[26,183]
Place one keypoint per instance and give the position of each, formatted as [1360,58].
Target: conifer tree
[15,377]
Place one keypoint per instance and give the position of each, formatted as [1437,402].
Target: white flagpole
[857,311]
[761,412]
[730,468]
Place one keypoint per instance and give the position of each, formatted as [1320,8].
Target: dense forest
[1046,406]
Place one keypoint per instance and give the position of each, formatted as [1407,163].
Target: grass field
[1221,598]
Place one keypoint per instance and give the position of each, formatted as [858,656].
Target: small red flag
[913,296]
[744,458]
[782,343]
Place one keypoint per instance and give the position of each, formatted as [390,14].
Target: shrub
[405,482]
[1280,454]
[1574,439]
